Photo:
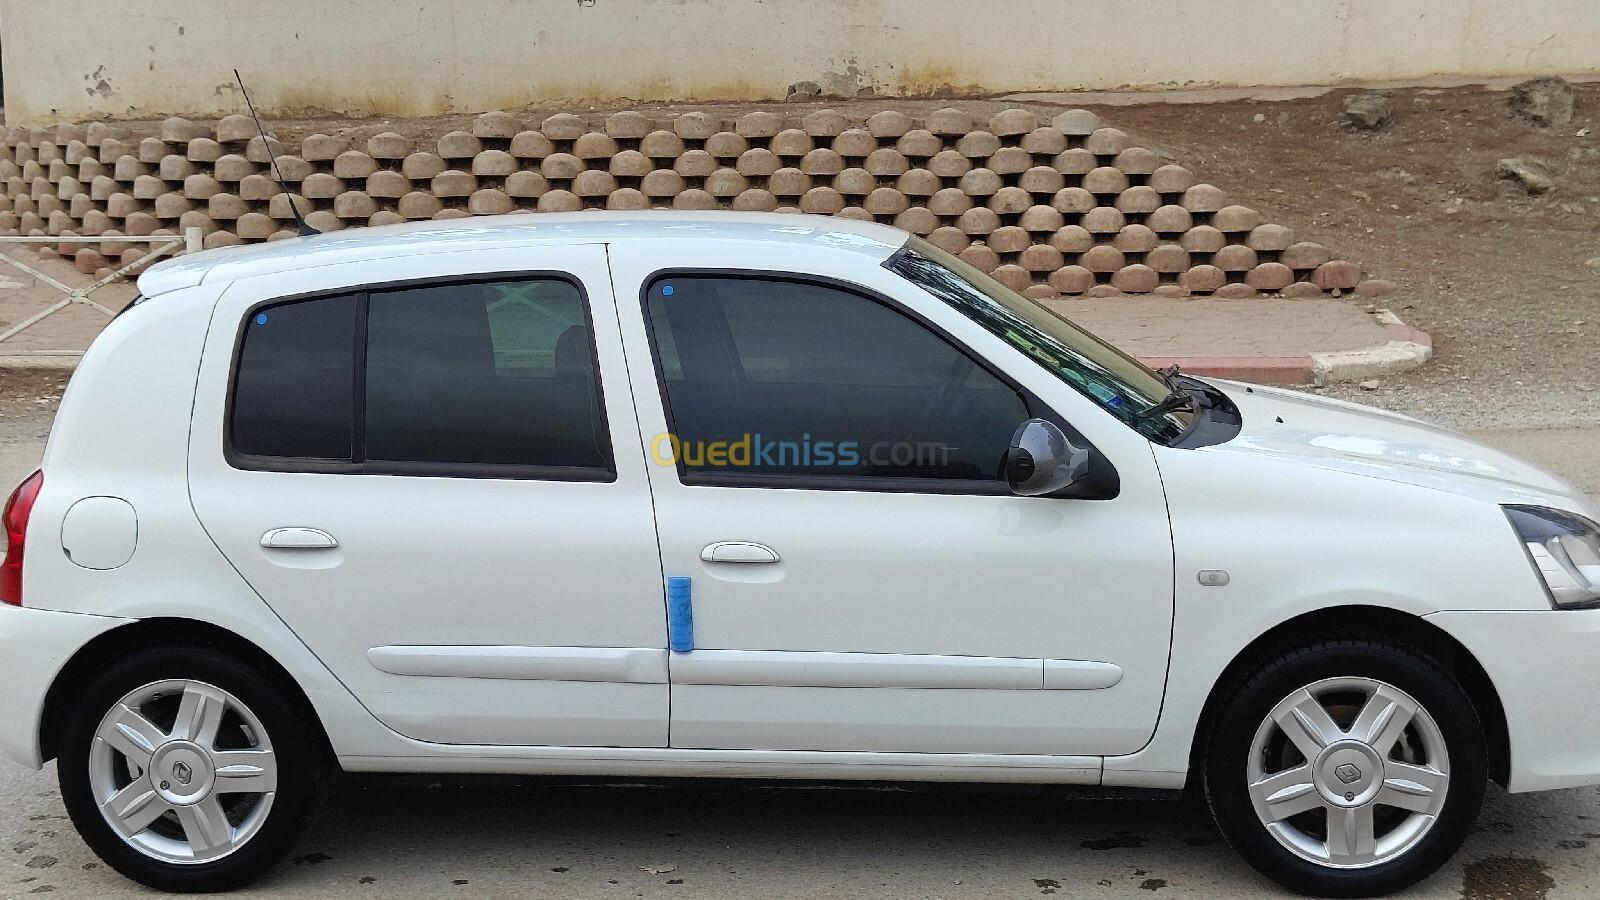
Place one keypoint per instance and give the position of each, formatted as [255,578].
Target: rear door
[434,477]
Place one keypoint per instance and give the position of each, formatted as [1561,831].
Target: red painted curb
[1255,369]
[1400,331]
[1272,369]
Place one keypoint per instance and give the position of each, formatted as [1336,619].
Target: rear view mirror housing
[1042,461]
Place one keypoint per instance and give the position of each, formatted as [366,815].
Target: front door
[827,476]
[437,482]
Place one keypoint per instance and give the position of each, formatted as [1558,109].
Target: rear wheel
[1347,768]
[187,770]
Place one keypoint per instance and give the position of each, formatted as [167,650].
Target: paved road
[424,837]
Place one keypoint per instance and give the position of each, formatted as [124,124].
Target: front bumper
[1544,664]
[35,644]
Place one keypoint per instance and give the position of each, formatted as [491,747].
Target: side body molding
[630,665]
[789,668]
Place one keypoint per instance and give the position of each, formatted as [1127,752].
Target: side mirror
[1042,460]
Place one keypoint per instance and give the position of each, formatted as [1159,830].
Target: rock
[1533,175]
[1366,111]
[803,92]
[1592,262]
[1543,101]
[1375,287]
[1235,292]
[1371,384]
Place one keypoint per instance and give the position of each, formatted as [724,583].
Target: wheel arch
[112,645]
[1380,623]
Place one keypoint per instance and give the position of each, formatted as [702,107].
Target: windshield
[1118,383]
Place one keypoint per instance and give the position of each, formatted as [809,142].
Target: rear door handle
[739,552]
[298,539]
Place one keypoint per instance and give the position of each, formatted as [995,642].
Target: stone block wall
[1065,206]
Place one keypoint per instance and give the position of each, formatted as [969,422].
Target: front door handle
[298,539]
[739,552]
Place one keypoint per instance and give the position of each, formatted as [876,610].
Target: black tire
[300,757]
[1249,698]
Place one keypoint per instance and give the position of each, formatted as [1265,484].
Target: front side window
[1115,381]
[773,377]
[425,378]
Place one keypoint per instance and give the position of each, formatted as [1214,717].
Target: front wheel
[187,770]
[1347,768]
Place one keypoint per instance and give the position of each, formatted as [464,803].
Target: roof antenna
[294,208]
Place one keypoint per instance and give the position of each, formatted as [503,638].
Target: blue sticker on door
[680,614]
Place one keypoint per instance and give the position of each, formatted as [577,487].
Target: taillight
[14,522]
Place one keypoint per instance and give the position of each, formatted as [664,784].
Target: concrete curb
[1407,349]
[65,362]
[1255,369]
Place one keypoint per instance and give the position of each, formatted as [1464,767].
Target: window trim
[358,464]
[1033,405]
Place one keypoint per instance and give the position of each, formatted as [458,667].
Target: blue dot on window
[666,290]
[261,318]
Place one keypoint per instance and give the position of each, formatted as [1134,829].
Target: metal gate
[165,243]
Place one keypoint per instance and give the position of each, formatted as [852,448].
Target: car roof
[492,232]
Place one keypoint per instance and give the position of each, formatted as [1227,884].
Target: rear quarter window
[294,387]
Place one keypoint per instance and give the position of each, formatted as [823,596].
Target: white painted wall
[66,61]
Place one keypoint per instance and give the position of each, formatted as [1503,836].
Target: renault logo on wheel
[1347,773]
[182,772]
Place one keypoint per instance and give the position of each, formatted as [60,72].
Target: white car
[769,496]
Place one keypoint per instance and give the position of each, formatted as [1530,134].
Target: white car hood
[1348,437]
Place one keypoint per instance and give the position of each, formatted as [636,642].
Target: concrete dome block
[496,124]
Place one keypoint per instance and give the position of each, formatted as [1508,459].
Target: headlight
[1565,549]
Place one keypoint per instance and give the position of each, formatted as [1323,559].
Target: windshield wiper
[1178,399]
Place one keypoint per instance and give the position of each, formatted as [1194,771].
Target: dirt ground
[27,394]
[1498,278]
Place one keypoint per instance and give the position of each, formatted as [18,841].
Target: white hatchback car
[691,494]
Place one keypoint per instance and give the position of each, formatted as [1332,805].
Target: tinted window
[293,394]
[492,373]
[497,373]
[781,377]
[1115,381]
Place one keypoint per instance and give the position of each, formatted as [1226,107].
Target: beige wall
[72,61]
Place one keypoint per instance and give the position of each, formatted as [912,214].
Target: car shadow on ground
[817,839]
[515,837]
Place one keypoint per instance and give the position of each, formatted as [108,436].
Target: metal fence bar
[190,240]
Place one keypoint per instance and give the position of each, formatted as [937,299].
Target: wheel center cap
[1348,773]
[182,772]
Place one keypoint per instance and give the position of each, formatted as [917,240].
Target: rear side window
[465,378]
[498,373]
[294,392]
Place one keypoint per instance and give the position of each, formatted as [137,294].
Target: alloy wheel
[1348,773]
[183,771]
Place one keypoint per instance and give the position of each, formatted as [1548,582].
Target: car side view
[767,496]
